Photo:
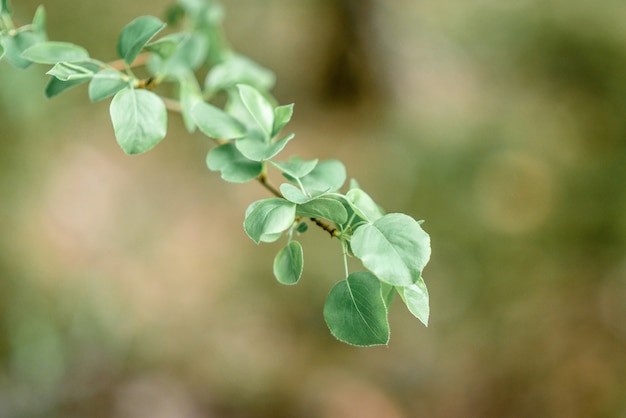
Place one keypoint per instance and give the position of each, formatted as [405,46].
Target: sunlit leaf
[323,208]
[328,175]
[395,248]
[288,263]
[139,119]
[296,167]
[134,36]
[282,116]
[364,205]
[259,108]
[355,311]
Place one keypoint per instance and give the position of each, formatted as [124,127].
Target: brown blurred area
[129,289]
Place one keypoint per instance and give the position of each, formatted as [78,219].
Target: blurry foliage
[505,123]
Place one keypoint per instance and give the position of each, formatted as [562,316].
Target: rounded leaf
[234,167]
[268,217]
[395,248]
[139,119]
[355,311]
[288,264]
[216,123]
[53,52]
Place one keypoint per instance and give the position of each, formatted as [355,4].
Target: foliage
[247,135]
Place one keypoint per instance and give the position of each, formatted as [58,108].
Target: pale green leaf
[355,311]
[238,69]
[53,52]
[5,7]
[282,116]
[395,248]
[296,167]
[56,86]
[39,24]
[288,263]
[15,45]
[234,167]
[106,83]
[259,108]
[134,36]
[66,71]
[216,123]
[257,149]
[139,120]
[187,57]
[189,96]
[166,46]
[364,205]
[416,299]
[323,208]
[388,292]
[328,175]
[268,217]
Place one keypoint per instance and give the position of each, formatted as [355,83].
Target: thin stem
[141,60]
[344,250]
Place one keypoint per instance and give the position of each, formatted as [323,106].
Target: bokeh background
[129,289]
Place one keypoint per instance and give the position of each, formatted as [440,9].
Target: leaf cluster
[246,130]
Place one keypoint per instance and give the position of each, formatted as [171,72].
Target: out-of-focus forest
[128,287]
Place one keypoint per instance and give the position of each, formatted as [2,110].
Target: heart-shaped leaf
[355,311]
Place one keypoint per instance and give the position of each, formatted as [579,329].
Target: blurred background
[129,289]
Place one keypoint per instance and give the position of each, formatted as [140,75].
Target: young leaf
[416,299]
[66,71]
[328,175]
[105,84]
[395,248]
[323,208]
[238,69]
[39,24]
[268,217]
[53,52]
[363,205]
[355,311]
[296,167]
[257,149]
[259,108]
[56,86]
[139,120]
[234,167]
[134,36]
[288,264]
[282,116]
[216,123]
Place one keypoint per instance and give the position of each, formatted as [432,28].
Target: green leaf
[363,205]
[5,7]
[395,248]
[328,175]
[167,45]
[139,119]
[388,292]
[15,45]
[234,167]
[66,71]
[54,52]
[288,264]
[189,97]
[39,24]
[416,299]
[296,167]
[187,57]
[355,311]
[324,208]
[106,83]
[238,69]
[294,194]
[216,123]
[259,108]
[268,217]
[1,51]
[257,149]
[56,86]
[134,36]
[282,116]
